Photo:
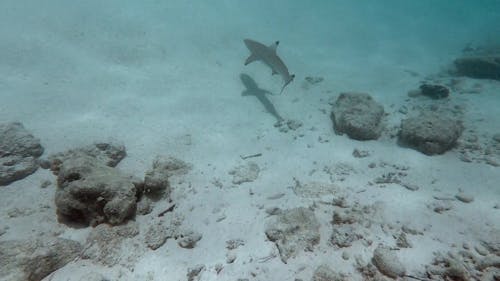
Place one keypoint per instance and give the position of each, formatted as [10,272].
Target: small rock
[466,198]
[480,249]
[441,206]
[409,186]
[272,211]
[360,153]
[156,236]
[434,91]
[194,272]
[402,241]
[292,231]
[324,273]
[44,163]
[496,137]
[106,244]
[189,239]
[234,243]
[293,124]
[245,173]
[156,179]
[403,110]
[492,162]
[230,257]
[314,79]
[45,184]
[218,267]
[414,93]
[144,206]
[388,263]
[344,237]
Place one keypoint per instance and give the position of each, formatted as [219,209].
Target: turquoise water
[168,78]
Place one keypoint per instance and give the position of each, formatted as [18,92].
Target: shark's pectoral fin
[289,80]
[251,58]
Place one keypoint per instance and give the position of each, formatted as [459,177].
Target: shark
[268,55]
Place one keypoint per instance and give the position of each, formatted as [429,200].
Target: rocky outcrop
[35,259]
[109,154]
[19,151]
[358,116]
[481,67]
[91,192]
[294,230]
[156,179]
[430,133]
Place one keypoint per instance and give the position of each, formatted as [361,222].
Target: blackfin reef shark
[268,55]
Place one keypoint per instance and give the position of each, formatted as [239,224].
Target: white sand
[164,79]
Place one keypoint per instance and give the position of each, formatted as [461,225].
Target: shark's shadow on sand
[252,89]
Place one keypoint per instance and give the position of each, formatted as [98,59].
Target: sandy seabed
[162,83]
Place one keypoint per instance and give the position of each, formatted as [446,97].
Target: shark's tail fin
[290,79]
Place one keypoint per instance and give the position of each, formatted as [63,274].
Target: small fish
[268,55]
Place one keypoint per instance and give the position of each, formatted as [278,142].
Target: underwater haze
[249,140]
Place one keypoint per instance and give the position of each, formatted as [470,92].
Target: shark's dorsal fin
[274,46]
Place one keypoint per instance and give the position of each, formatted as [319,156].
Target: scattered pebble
[414,93]
[272,211]
[45,183]
[314,79]
[409,186]
[275,196]
[360,153]
[402,241]
[189,239]
[496,137]
[441,207]
[218,267]
[234,243]
[403,110]
[194,272]
[466,198]
[345,255]
[480,249]
[388,263]
[230,257]
[245,173]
